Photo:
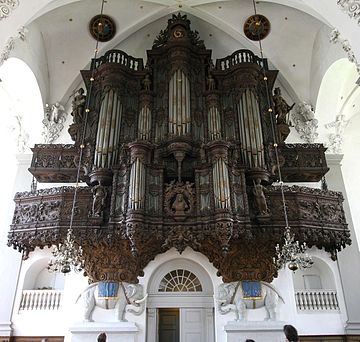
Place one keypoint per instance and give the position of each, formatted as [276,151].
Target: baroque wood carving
[177,154]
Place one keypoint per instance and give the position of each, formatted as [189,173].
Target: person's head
[249,340]
[291,333]
[102,337]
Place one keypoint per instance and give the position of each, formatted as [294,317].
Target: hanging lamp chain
[291,252]
[69,254]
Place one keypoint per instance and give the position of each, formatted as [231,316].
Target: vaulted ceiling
[299,35]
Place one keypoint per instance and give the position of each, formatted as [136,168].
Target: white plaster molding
[351,7]
[10,44]
[6,7]
[336,138]
[335,37]
[303,119]
[53,122]
[20,134]
[5,328]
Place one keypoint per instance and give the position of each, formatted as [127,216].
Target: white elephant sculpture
[129,297]
[231,298]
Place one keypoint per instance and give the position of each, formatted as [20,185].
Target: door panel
[169,325]
[192,325]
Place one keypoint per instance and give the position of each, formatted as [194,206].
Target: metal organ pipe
[252,147]
[221,184]
[137,185]
[179,104]
[144,124]
[108,133]
[214,123]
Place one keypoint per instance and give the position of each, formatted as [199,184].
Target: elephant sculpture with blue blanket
[242,295]
[119,296]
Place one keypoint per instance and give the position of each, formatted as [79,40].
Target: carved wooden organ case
[179,153]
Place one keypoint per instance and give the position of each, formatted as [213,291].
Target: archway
[180,303]
[21,114]
[315,288]
[338,112]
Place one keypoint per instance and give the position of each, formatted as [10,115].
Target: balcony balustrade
[316,300]
[40,300]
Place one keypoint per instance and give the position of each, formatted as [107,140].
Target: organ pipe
[179,104]
[137,185]
[214,123]
[144,124]
[252,147]
[221,184]
[108,133]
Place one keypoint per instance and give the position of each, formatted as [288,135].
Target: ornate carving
[53,122]
[281,111]
[335,37]
[181,179]
[182,237]
[303,119]
[351,7]
[165,35]
[10,44]
[6,7]
[179,200]
[336,139]
[99,195]
[258,191]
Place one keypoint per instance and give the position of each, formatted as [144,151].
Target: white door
[196,325]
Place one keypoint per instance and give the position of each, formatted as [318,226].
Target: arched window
[180,280]
[338,111]
[21,109]
[315,288]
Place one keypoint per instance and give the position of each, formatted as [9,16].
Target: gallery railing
[41,300]
[315,300]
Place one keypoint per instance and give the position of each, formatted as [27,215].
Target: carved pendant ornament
[178,154]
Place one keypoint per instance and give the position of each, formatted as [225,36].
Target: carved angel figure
[281,107]
[260,198]
[99,195]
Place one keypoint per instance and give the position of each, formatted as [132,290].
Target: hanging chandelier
[290,252]
[68,255]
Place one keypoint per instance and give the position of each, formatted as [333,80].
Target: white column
[10,259]
[349,258]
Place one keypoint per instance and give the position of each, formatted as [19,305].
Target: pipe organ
[250,130]
[179,104]
[177,148]
[108,132]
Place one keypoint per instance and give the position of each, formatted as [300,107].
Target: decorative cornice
[6,7]
[351,7]
[335,37]
[10,44]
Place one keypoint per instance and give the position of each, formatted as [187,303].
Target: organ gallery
[180,151]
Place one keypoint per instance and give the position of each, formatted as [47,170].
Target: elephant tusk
[138,301]
[221,300]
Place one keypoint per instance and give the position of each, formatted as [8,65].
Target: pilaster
[10,260]
[348,259]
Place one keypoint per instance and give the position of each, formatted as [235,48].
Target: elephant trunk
[139,301]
